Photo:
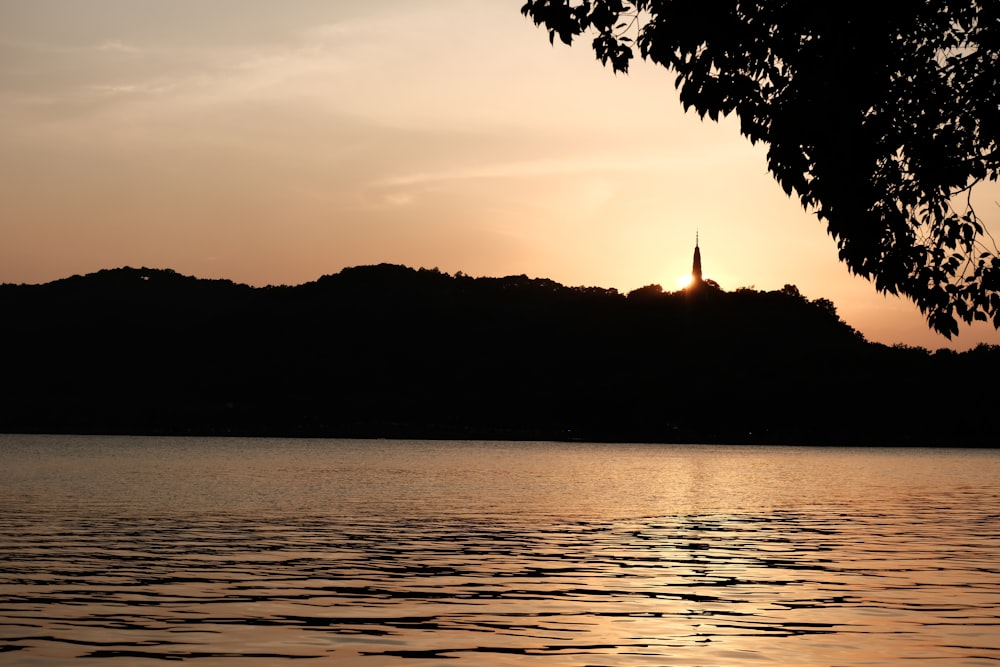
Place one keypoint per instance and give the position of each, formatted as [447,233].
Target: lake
[231,551]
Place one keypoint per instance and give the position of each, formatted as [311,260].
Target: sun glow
[683,282]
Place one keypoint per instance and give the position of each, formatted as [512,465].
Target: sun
[683,282]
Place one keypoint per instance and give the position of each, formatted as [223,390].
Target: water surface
[134,551]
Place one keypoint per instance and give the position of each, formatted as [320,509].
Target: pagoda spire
[696,278]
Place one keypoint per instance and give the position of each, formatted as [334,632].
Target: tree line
[390,351]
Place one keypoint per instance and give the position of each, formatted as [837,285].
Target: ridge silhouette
[391,351]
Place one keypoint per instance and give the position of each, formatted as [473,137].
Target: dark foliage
[882,117]
[388,351]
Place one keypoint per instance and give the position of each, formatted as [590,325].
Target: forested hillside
[388,351]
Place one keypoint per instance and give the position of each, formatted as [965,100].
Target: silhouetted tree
[791,291]
[882,117]
[647,292]
[827,307]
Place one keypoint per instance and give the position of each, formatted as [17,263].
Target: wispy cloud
[583,164]
[114,46]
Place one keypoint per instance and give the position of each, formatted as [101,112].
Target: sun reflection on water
[569,554]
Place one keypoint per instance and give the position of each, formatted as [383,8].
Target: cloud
[592,163]
[114,46]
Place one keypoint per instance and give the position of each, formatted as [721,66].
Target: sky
[275,142]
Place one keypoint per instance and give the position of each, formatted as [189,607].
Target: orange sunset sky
[274,142]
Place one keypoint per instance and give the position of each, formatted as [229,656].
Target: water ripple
[214,588]
[880,580]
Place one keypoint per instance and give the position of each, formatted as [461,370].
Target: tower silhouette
[696,278]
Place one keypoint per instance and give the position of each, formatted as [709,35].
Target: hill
[389,351]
